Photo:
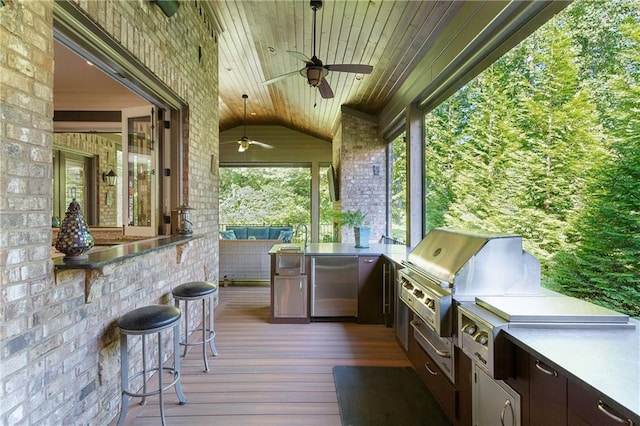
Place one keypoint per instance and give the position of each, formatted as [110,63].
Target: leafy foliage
[351,218]
[269,195]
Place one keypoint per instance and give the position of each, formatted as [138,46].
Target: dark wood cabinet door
[586,408]
[440,387]
[547,395]
[519,381]
[464,398]
[370,290]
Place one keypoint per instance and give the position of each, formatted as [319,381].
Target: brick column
[359,156]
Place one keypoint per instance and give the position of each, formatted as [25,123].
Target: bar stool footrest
[176,377]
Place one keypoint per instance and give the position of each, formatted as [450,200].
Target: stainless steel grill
[450,266]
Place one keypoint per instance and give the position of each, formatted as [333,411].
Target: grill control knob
[470,329]
[430,303]
[482,338]
[418,293]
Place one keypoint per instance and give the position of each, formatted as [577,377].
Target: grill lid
[476,262]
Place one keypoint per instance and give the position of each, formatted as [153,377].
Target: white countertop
[605,361]
[395,252]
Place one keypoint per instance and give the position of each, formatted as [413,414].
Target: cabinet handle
[602,407]
[368,260]
[507,403]
[433,373]
[444,354]
[384,288]
[545,369]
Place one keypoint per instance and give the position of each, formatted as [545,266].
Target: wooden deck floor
[269,374]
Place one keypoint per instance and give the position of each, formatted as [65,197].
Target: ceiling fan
[244,142]
[314,71]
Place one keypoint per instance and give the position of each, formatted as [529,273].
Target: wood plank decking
[269,374]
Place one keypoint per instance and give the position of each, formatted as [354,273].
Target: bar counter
[112,254]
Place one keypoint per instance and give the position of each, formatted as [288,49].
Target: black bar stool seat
[198,290]
[142,322]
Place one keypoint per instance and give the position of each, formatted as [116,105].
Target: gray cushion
[228,235]
[285,236]
[274,231]
[260,232]
[240,231]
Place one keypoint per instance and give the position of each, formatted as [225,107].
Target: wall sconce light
[109,177]
[169,7]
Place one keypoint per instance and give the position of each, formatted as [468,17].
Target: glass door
[71,180]
[139,177]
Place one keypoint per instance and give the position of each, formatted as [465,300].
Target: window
[543,143]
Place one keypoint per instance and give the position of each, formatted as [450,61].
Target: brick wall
[58,340]
[357,148]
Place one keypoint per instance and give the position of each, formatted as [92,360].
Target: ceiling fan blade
[228,142]
[280,77]
[262,144]
[325,89]
[356,68]
[299,55]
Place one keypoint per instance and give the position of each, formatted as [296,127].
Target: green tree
[604,266]
[399,188]
[264,195]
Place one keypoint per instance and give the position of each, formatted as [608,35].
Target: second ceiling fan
[244,142]
[314,71]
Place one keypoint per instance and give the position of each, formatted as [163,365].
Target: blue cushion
[260,232]
[274,232]
[240,231]
[228,235]
[285,236]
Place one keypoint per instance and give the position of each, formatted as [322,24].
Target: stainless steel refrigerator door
[334,281]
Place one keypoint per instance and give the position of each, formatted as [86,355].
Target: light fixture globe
[243,144]
[314,74]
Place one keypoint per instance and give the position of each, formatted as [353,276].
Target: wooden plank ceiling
[392,36]
[409,43]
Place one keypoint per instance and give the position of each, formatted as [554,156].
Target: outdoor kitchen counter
[605,361]
[394,252]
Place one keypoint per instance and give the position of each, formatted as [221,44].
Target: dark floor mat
[385,396]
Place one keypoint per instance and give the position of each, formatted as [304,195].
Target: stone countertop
[395,252]
[604,361]
[106,255]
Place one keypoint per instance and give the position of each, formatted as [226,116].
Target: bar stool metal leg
[186,324]
[212,333]
[124,378]
[176,365]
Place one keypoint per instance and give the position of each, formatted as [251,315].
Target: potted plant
[355,219]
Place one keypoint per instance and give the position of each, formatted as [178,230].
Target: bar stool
[142,322]
[198,290]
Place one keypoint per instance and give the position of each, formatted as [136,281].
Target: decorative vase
[74,238]
[362,235]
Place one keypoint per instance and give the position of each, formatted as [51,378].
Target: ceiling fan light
[314,75]
[244,145]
